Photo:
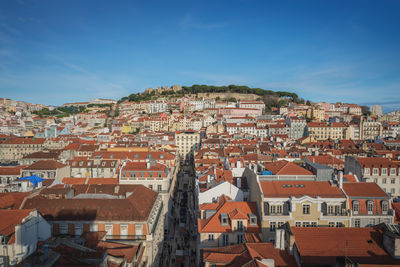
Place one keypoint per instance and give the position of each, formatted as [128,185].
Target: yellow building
[325,131]
[126,129]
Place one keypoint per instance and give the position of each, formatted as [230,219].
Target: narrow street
[180,240]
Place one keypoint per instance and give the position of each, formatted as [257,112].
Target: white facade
[224,188]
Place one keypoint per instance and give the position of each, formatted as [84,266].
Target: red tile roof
[235,210]
[11,218]
[284,167]
[300,188]
[45,165]
[243,254]
[322,245]
[363,190]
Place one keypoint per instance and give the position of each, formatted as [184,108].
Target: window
[298,224]
[392,181]
[384,206]
[306,209]
[240,225]
[331,224]
[151,186]
[159,188]
[384,181]
[280,224]
[384,171]
[224,219]
[272,210]
[210,237]
[279,209]
[375,171]
[357,223]
[366,171]
[392,190]
[253,220]
[78,229]
[306,224]
[225,239]
[123,231]
[375,180]
[138,229]
[339,224]
[63,228]
[313,224]
[370,207]
[272,226]
[356,207]
[392,171]
[330,209]
[109,229]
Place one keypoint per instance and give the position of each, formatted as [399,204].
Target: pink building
[235,112]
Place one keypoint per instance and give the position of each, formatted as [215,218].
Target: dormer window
[224,219]
[356,206]
[112,163]
[253,219]
[384,171]
[366,171]
[81,163]
[375,171]
[370,206]
[103,163]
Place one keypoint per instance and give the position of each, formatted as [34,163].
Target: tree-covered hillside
[195,89]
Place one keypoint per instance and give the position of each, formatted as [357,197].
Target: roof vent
[299,185]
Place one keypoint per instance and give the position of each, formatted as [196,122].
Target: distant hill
[265,95]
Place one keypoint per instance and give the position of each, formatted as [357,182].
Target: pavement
[180,241]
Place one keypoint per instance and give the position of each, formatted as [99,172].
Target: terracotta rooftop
[363,190]
[45,165]
[284,167]
[321,245]
[245,255]
[300,188]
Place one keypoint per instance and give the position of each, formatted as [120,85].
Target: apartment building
[382,171]
[296,127]
[300,203]
[325,131]
[47,169]
[16,148]
[369,204]
[252,105]
[188,142]
[128,214]
[370,128]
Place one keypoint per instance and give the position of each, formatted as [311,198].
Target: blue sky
[54,52]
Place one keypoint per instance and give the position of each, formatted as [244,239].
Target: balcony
[342,213]
[126,237]
[374,213]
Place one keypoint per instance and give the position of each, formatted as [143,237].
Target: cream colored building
[188,142]
[300,203]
